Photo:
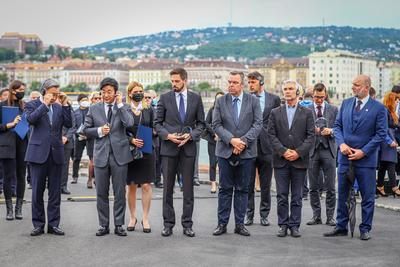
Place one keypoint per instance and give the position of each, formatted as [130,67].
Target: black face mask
[19,95]
[137,97]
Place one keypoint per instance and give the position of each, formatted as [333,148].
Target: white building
[337,69]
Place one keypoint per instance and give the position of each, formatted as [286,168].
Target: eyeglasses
[318,97]
[96,98]
[147,97]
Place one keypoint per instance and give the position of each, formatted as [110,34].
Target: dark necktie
[358,107]
[235,110]
[182,112]
[109,113]
[319,113]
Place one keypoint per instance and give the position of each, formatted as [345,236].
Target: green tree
[50,51]
[34,86]
[7,54]
[3,80]
[159,87]
[79,87]
[31,49]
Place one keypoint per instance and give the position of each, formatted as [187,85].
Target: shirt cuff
[100,132]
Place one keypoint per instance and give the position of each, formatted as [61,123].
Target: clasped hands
[291,155]
[238,145]
[352,153]
[324,132]
[180,140]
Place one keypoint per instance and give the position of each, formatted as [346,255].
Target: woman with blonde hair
[141,171]
[388,152]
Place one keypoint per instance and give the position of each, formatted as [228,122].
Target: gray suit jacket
[300,136]
[271,101]
[330,113]
[248,128]
[69,133]
[116,140]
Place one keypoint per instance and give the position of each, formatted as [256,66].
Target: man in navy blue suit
[359,129]
[45,154]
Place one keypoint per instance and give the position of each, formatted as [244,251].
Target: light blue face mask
[154,102]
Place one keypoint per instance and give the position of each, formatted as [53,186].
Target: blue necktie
[50,114]
[235,110]
[182,112]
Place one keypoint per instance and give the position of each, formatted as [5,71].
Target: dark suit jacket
[248,128]
[300,137]
[366,135]
[209,133]
[8,138]
[167,121]
[271,101]
[69,133]
[79,120]
[46,138]
[330,113]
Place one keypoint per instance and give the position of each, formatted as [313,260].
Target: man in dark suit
[106,122]
[323,156]
[268,102]
[45,154]
[237,121]
[80,140]
[291,130]
[360,127]
[68,142]
[179,123]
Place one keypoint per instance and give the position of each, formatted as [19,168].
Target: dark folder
[146,134]
[9,114]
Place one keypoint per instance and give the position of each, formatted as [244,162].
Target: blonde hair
[129,89]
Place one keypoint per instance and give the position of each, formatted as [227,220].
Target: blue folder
[22,127]
[146,134]
[9,114]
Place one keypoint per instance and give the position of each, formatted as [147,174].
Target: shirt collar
[364,100]
[290,107]
[183,92]
[240,97]
[323,105]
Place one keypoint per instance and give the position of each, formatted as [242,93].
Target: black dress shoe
[196,182]
[132,228]
[248,221]
[188,232]
[330,222]
[146,230]
[264,221]
[37,231]
[55,231]
[65,191]
[282,232]
[336,232]
[314,221]
[294,232]
[103,230]
[365,236]
[241,230]
[120,231]
[166,231]
[159,185]
[221,229]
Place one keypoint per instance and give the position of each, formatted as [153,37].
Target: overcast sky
[87,22]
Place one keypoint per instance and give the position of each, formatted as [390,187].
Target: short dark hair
[320,87]
[179,71]
[80,97]
[255,75]
[396,89]
[240,73]
[4,90]
[109,81]
[372,91]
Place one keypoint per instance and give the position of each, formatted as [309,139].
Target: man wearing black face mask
[12,151]
[179,123]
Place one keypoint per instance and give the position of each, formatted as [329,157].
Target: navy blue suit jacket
[366,135]
[46,137]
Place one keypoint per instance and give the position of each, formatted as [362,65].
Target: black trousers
[158,163]
[322,158]
[289,179]
[65,169]
[213,160]
[169,170]
[390,167]
[78,151]
[50,172]
[264,166]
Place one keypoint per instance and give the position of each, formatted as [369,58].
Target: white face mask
[85,104]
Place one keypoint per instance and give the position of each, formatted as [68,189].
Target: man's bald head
[361,85]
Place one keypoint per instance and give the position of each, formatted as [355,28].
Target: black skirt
[142,171]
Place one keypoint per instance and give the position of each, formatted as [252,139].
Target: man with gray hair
[45,154]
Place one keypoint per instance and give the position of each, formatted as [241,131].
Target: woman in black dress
[140,171]
[12,151]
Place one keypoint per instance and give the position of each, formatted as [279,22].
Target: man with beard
[179,123]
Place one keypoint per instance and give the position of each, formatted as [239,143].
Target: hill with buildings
[248,43]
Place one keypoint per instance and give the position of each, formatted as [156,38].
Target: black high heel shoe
[396,192]
[132,228]
[380,190]
[146,230]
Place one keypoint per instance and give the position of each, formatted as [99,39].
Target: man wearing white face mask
[80,140]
